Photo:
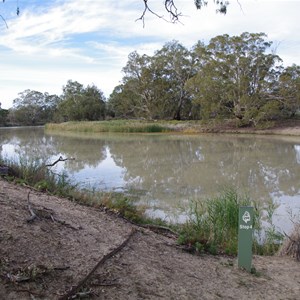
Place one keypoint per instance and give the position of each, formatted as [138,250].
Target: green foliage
[33,108]
[153,87]
[231,77]
[79,103]
[287,92]
[235,75]
[3,116]
[213,225]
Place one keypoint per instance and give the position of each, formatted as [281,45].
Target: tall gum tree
[235,75]
[176,65]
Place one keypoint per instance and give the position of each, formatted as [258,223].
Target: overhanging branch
[169,7]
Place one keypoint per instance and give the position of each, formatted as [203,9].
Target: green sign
[245,237]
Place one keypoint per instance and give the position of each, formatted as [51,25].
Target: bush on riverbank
[212,225]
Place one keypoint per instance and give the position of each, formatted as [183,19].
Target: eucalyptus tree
[154,87]
[3,116]
[174,65]
[139,94]
[33,108]
[81,103]
[287,94]
[235,76]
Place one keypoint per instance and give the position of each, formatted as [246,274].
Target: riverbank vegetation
[211,226]
[125,126]
[238,78]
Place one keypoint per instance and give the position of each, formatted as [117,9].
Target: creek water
[166,171]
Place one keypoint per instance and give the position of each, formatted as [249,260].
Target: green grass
[34,173]
[122,126]
[213,226]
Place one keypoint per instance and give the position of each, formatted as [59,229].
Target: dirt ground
[45,257]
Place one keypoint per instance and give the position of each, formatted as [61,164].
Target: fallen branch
[101,262]
[58,160]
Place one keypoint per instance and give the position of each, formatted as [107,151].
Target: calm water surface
[169,170]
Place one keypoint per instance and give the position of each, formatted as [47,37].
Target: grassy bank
[123,126]
[287,127]
[212,225]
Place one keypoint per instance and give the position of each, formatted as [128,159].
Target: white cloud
[89,41]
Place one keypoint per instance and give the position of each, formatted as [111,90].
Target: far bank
[289,127]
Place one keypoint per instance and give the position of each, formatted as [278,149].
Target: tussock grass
[213,225]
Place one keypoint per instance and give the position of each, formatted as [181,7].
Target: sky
[89,41]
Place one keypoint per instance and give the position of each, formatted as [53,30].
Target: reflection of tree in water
[195,166]
[297,150]
[29,143]
[88,152]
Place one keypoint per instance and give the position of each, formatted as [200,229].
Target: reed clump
[213,226]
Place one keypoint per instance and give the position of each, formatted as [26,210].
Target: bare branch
[170,8]
[4,21]
[58,160]
[147,8]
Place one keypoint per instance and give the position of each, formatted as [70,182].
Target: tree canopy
[230,77]
[81,103]
[33,108]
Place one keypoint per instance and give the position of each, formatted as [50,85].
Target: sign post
[245,237]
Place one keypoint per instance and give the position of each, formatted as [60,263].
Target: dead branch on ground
[101,262]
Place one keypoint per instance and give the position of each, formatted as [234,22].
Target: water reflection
[168,170]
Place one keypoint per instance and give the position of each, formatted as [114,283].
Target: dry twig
[58,160]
